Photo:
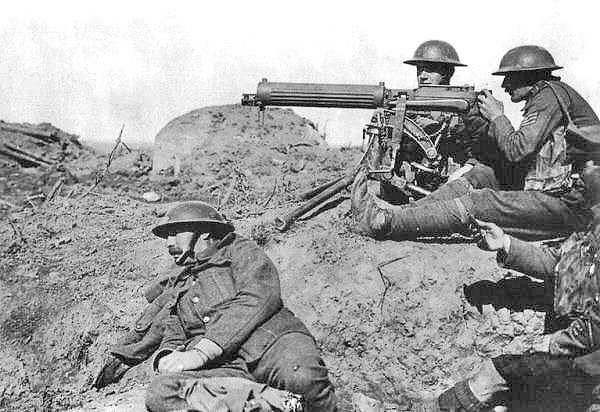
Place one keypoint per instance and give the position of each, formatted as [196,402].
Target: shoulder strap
[561,101]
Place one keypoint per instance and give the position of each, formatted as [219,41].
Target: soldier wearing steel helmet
[216,329]
[532,192]
[435,61]
[564,367]
[467,143]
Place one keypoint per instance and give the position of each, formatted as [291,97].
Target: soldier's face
[433,73]
[181,246]
[517,85]
[184,245]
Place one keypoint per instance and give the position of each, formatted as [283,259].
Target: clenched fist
[489,106]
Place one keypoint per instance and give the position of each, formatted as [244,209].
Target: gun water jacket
[230,295]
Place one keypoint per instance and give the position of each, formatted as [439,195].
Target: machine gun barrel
[457,99]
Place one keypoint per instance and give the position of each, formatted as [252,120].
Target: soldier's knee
[157,392]
[310,379]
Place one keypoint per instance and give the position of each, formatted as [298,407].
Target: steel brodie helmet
[435,51]
[193,216]
[526,58]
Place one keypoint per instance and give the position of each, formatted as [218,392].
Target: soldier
[220,326]
[569,366]
[436,61]
[467,143]
[532,192]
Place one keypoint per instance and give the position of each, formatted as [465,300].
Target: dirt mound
[32,159]
[37,145]
[390,317]
[212,129]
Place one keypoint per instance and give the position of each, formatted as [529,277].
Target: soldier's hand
[492,237]
[177,361]
[489,106]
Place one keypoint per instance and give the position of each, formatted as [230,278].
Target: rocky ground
[390,317]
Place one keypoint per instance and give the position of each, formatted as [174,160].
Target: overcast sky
[90,68]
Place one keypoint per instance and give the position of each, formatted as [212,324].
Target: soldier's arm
[527,258]
[541,117]
[258,298]
[475,124]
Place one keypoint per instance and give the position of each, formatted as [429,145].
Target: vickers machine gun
[400,153]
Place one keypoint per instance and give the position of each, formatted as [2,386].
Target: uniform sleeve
[257,298]
[581,336]
[542,115]
[475,135]
[532,260]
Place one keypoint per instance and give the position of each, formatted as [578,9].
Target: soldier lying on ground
[435,61]
[569,367]
[531,191]
[220,327]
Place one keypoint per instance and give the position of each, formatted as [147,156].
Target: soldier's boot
[370,219]
[398,222]
[137,352]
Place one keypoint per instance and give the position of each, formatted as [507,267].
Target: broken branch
[25,160]
[101,175]
[55,189]
[272,193]
[26,153]
[39,134]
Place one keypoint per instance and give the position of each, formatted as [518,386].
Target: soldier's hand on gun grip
[489,106]
[493,237]
[178,361]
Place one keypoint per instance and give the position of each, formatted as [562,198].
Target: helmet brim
[167,229]
[416,62]
[529,69]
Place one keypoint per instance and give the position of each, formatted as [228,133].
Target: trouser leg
[534,382]
[544,382]
[170,392]
[480,177]
[526,214]
[293,363]
[447,191]
[400,222]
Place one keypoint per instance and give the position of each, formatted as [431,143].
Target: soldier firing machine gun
[415,173]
